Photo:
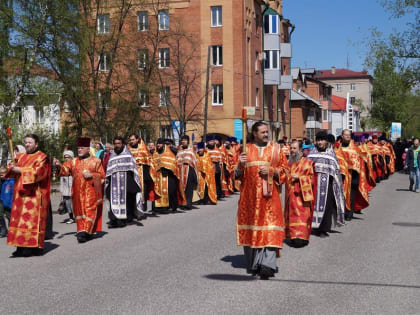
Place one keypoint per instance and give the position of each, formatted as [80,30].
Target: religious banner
[395,130]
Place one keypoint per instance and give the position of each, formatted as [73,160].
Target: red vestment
[217,157]
[344,171]
[143,157]
[260,216]
[205,168]
[185,159]
[389,151]
[232,161]
[299,200]
[378,158]
[356,163]
[370,173]
[285,150]
[87,194]
[167,160]
[31,200]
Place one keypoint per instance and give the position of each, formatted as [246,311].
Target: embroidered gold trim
[261,228]
[258,163]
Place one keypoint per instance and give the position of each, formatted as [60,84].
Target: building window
[142,21]
[103,23]
[143,98]
[325,114]
[217,55]
[338,87]
[19,114]
[216,16]
[257,96]
[271,24]
[104,61]
[352,100]
[165,131]
[104,99]
[352,86]
[272,59]
[163,20]
[164,60]
[165,96]
[144,134]
[217,94]
[142,58]
[39,115]
[257,61]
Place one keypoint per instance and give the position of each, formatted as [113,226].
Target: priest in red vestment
[358,190]
[187,164]
[31,199]
[168,179]
[206,181]
[88,177]
[299,197]
[145,168]
[260,225]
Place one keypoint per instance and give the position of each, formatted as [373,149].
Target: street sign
[250,110]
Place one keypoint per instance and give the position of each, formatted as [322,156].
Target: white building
[341,118]
[39,110]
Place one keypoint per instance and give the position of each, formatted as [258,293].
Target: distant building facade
[343,81]
[248,45]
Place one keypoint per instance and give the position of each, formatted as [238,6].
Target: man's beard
[294,158]
[185,146]
[134,146]
[118,151]
[321,149]
[160,150]
[228,146]
[210,146]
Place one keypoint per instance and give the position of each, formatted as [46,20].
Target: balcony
[286,82]
[312,124]
[272,76]
[272,42]
[285,50]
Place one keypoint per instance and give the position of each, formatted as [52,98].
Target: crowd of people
[325,184]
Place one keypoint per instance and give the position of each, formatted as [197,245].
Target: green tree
[395,63]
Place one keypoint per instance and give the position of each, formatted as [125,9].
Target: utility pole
[206,101]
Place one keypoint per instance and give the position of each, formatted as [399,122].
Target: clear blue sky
[329,30]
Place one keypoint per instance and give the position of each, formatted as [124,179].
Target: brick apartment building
[249,59]
[357,84]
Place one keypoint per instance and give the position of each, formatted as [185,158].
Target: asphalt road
[188,263]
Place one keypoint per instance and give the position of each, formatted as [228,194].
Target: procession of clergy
[325,184]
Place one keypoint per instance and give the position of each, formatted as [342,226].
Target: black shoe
[265,273]
[112,225]
[142,217]
[251,272]
[323,234]
[29,252]
[49,237]
[18,252]
[83,237]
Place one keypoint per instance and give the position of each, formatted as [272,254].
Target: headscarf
[69,153]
